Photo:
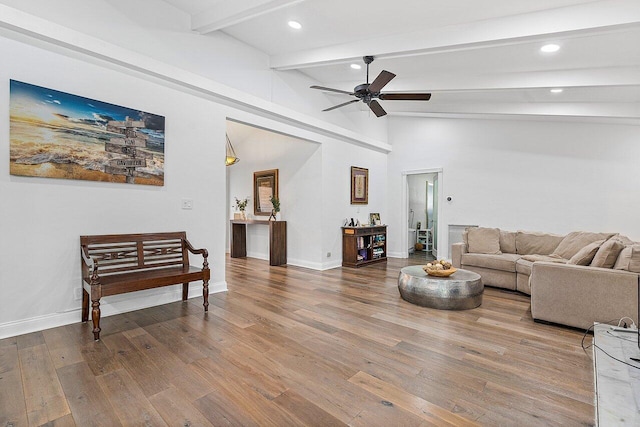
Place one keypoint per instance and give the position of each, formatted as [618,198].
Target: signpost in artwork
[127,146]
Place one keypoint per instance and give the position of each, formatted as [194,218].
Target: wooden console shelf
[277,239]
[364,245]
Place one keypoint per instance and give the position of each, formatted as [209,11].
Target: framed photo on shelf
[374,219]
[265,185]
[359,186]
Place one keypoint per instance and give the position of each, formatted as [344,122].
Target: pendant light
[231,158]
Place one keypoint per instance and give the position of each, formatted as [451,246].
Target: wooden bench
[120,263]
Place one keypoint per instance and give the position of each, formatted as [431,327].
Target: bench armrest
[202,252]
[90,262]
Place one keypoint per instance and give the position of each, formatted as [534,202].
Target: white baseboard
[397,255]
[320,266]
[109,306]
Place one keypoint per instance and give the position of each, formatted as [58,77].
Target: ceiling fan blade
[341,105]
[328,89]
[405,96]
[377,108]
[381,81]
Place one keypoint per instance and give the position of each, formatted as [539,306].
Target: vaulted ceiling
[475,57]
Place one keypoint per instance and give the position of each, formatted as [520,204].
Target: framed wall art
[359,186]
[265,185]
[56,134]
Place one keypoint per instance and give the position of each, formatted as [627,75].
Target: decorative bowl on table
[440,268]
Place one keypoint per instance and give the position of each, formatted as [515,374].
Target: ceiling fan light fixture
[295,25]
[231,158]
[550,48]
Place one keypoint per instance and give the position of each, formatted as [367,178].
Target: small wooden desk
[277,239]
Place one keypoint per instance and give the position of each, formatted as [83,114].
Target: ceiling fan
[369,92]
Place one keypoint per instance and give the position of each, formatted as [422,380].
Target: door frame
[404,229]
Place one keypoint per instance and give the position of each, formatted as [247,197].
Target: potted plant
[241,205]
[275,202]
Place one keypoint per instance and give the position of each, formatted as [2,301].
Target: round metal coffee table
[460,291]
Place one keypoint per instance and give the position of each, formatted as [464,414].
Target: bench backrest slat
[117,253]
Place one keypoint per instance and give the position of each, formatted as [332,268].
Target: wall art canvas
[55,134]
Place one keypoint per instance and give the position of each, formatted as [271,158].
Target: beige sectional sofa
[574,280]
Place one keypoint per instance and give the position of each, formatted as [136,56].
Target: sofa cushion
[507,242]
[586,254]
[529,243]
[576,240]
[608,253]
[523,266]
[483,240]
[503,262]
[546,258]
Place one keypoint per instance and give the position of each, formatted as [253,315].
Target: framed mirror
[359,186]
[265,185]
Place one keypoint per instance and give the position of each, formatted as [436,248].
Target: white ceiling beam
[614,76]
[233,12]
[598,16]
[40,32]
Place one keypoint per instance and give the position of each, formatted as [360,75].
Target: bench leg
[95,315]
[185,291]
[205,294]
[85,305]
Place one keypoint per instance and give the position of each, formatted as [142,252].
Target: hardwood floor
[290,346]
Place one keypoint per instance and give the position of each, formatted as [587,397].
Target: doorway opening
[422,206]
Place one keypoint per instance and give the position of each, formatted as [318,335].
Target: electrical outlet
[187,203]
[77,294]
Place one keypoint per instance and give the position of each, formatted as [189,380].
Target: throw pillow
[608,253]
[483,240]
[586,254]
[634,262]
[576,240]
[622,263]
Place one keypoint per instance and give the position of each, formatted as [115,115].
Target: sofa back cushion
[576,240]
[608,253]
[507,242]
[481,240]
[586,254]
[532,243]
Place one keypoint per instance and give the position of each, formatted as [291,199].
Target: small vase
[243,215]
[272,217]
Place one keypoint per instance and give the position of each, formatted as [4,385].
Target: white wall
[299,166]
[41,219]
[336,201]
[528,175]
[314,177]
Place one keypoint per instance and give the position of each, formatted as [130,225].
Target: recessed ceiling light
[557,90]
[550,48]
[295,25]
[356,66]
